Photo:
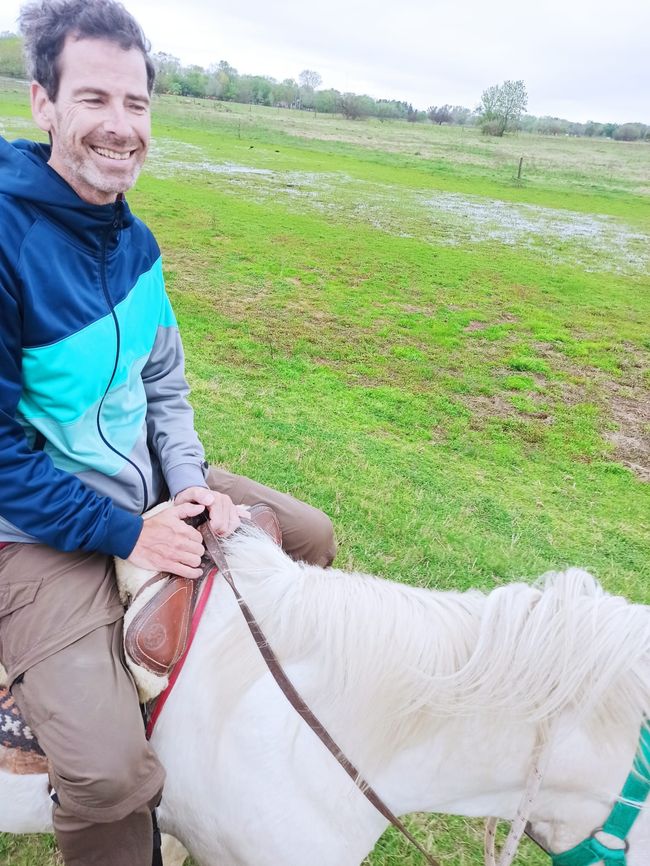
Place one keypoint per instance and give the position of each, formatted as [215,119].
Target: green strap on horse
[621,818]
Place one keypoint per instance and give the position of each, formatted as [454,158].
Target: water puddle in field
[591,241]
[172,158]
[597,242]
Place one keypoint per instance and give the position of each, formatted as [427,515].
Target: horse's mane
[414,657]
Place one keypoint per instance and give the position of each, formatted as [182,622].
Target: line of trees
[501,109]
[223,81]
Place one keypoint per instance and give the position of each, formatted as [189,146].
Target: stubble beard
[92,181]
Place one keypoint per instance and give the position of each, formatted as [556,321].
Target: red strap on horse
[161,700]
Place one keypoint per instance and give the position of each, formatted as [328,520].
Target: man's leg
[307,533]
[83,707]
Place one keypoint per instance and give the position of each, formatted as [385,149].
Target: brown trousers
[60,640]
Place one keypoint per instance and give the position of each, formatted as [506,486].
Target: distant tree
[327,101]
[292,92]
[412,114]
[353,106]
[529,123]
[593,129]
[391,109]
[460,115]
[194,81]
[439,114]
[501,107]
[386,109]
[243,89]
[222,78]
[309,79]
[552,126]
[629,132]
[168,70]
[609,129]
[575,128]
[11,56]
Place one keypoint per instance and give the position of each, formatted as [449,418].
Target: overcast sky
[580,59]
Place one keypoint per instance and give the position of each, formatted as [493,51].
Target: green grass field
[381,319]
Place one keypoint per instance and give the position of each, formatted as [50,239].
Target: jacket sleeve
[170,418]
[38,499]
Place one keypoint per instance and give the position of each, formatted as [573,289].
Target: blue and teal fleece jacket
[95,426]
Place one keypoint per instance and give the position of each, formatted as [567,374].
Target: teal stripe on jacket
[64,404]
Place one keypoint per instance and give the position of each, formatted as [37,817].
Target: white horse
[437,697]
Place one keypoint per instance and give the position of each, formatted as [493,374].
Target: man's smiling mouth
[112,154]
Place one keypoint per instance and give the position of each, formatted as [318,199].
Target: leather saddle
[156,635]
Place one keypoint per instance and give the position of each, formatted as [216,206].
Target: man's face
[100,122]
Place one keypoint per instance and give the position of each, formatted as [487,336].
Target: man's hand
[224,514]
[168,544]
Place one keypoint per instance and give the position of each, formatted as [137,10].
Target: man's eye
[138,107]
[92,100]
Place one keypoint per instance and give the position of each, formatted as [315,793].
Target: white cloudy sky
[580,59]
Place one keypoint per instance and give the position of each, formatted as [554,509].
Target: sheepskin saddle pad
[19,749]
[158,620]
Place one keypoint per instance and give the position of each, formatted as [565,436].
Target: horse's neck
[474,765]
[462,766]
[466,767]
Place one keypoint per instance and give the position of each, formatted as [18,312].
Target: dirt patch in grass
[506,319]
[629,408]
[625,402]
[486,407]
[429,312]
[622,401]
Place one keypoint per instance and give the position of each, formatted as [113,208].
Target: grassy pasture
[381,319]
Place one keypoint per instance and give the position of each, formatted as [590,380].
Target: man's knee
[320,542]
[110,783]
[307,532]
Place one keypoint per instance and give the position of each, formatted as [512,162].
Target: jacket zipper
[115,226]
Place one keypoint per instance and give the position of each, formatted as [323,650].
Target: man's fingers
[184,563]
[203,495]
[186,549]
[188,509]
[185,571]
[226,523]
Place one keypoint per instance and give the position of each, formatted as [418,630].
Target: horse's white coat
[24,804]
[437,697]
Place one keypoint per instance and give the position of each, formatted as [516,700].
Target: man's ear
[42,107]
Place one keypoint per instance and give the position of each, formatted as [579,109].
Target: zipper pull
[117,218]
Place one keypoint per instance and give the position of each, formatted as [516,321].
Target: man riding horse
[95,426]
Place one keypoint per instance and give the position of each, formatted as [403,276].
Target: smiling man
[95,426]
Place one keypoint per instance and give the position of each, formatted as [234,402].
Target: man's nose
[117,122]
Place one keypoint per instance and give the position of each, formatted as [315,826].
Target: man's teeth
[112,154]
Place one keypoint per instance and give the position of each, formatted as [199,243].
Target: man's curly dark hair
[46,24]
